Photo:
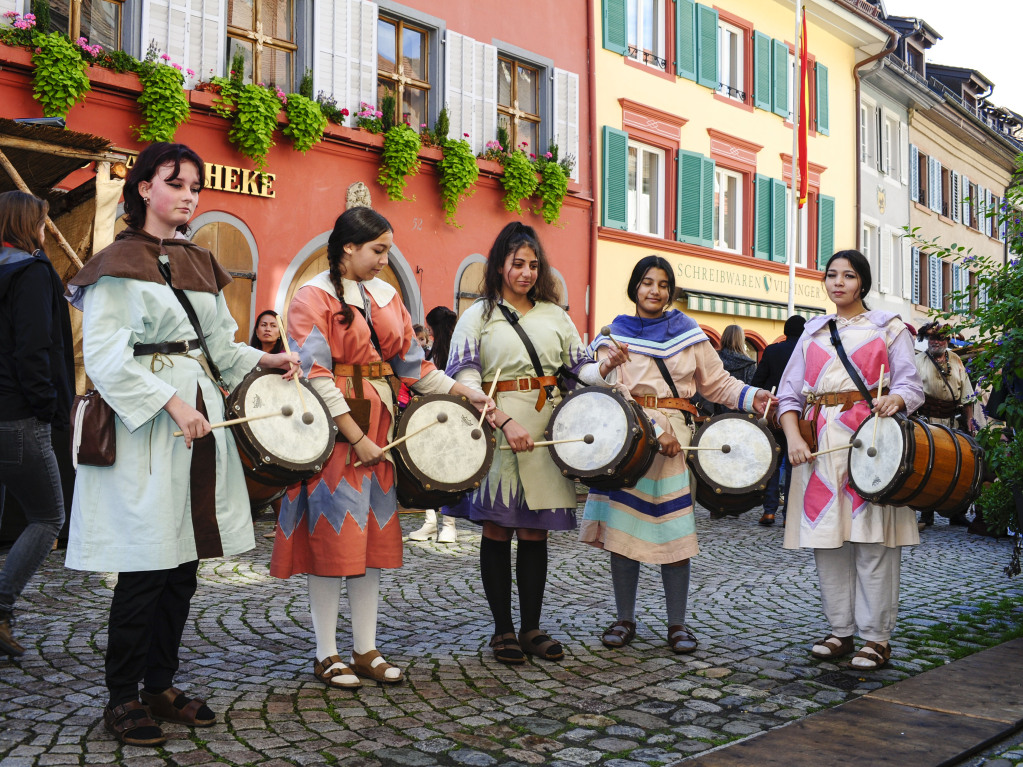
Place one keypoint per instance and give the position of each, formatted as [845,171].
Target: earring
[146,201]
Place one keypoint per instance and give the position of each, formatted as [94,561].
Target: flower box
[127,82]
[15,56]
[491,166]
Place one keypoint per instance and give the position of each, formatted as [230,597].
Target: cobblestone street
[753,606]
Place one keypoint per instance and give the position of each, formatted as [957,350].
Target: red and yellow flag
[804,112]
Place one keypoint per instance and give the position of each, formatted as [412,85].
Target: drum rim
[590,475]
[904,423]
[474,481]
[632,479]
[978,476]
[693,458]
[301,470]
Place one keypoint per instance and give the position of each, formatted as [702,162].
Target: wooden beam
[50,226]
[45,147]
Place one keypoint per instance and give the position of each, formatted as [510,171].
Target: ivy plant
[253,111]
[399,159]
[163,103]
[305,122]
[458,172]
[519,180]
[551,190]
[59,81]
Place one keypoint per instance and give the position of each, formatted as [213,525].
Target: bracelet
[359,439]
[506,420]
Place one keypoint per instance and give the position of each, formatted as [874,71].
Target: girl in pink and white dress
[856,543]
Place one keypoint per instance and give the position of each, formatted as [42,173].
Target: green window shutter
[780,75]
[762,248]
[685,39]
[707,48]
[615,26]
[707,195]
[822,99]
[614,203]
[691,198]
[761,71]
[825,229]
[778,214]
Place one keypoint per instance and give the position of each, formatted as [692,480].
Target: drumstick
[441,418]
[766,409]
[286,410]
[307,417]
[722,449]
[478,431]
[606,331]
[588,439]
[854,443]
[872,451]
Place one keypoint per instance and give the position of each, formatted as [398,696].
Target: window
[972,202]
[915,59]
[946,192]
[728,186]
[892,153]
[646,32]
[263,31]
[731,61]
[771,217]
[646,189]
[868,136]
[922,187]
[97,20]
[934,282]
[518,103]
[869,247]
[895,256]
[405,76]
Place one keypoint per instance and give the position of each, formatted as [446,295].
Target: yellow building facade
[693,129]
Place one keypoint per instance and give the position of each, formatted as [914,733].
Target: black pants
[147,617]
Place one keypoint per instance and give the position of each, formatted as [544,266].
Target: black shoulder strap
[944,378]
[833,326]
[530,350]
[667,376]
[192,318]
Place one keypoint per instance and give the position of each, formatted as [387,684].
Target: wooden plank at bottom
[987,684]
[863,733]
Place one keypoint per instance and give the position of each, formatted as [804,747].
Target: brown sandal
[876,655]
[172,705]
[834,647]
[507,649]
[363,666]
[322,670]
[618,634]
[536,642]
[131,724]
[681,640]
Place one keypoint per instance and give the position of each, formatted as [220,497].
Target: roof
[44,155]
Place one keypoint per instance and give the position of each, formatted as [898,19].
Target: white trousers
[860,589]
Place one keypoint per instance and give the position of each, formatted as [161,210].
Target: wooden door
[231,249]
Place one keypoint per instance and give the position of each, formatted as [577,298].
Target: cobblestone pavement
[249,648]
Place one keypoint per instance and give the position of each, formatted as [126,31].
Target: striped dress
[653,521]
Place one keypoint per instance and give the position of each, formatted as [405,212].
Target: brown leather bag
[93,440]
[808,431]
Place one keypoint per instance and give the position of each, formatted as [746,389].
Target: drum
[928,467]
[623,445]
[438,466]
[277,452]
[729,483]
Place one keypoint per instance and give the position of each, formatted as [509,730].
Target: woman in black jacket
[36,379]
[734,358]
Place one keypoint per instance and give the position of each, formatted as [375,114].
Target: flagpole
[794,207]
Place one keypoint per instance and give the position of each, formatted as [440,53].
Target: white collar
[382,292]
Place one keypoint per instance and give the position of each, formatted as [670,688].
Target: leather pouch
[92,428]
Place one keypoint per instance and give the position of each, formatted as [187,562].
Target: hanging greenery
[253,111]
[163,103]
[59,81]
[551,190]
[458,172]
[519,180]
[305,121]
[399,159]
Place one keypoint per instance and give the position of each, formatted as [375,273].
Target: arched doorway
[230,247]
[470,285]
[317,263]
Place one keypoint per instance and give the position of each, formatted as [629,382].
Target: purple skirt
[514,516]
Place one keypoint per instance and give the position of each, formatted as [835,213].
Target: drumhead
[285,440]
[873,476]
[445,454]
[594,411]
[750,461]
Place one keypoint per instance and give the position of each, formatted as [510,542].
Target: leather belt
[939,408]
[666,403]
[833,398]
[168,347]
[369,370]
[522,384]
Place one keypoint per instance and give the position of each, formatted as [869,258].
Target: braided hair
[355,226]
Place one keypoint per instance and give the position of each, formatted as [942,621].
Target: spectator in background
[423,337]
[737,362]
[768,376]
[267,333]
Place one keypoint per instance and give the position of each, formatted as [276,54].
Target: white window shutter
[907,269]
[981,208]
[346,52]
[884,262]
[934,185]
[206,40]
[914,173]
[954,204]
[165,23]
[566,116]
[470,82]
[914,257]
[904,150]
[964,184]
[934,275]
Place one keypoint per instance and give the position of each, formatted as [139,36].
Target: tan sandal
[618,634]
[873,655]
[832,646]
[681,640]
[322,670]
[364,667]
[536,642]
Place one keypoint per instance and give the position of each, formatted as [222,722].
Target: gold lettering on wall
[227,178]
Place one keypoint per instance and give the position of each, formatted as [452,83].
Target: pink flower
[176,66]
[39,50]
[190,73]
[11,15]
[30,17]
[345,113]
[378,114]
[548,156]
[81,41]
[422,125]
[165,57]
[532,156]
[466,135]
